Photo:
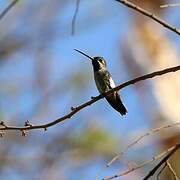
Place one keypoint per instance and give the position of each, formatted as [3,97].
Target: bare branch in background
[160,172]
[172,171]
[75,17]
[168,153]
[153,171]
[151,132]
[6,10]
[170,5]
[74,110]
[150,15]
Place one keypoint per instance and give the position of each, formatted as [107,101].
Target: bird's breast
[101,81]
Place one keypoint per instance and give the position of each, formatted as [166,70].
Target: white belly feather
[102,84]
[112,83]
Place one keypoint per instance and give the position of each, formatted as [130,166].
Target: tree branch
[75,17]
[162,169]
[170,5]
[150,15]
[6,10]
[153,171]
[172,171]
[152,131]
[29,126]
[170,150]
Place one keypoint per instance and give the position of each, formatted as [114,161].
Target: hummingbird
[104,82]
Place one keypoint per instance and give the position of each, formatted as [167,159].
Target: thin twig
[162,169]
[170,5]
[153,171]
[150,15]
[152,131]
[159,156]
[5,11]
[172,171]
[75,17]
[88,103]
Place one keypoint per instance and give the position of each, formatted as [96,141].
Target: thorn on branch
[92,97]
[73,108]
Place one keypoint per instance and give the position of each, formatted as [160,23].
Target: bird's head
[97,62]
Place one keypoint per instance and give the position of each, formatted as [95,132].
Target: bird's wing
[114,98]
[109,81]
[104,81]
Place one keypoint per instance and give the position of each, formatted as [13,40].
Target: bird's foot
[102,95]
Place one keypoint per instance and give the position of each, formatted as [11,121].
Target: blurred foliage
[40,81]
[96,141]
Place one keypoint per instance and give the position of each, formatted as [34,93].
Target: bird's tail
[115,101]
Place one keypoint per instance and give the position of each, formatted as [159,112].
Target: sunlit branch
[153,171]
[170,5]
[150,15]
[166,153]
[172,171]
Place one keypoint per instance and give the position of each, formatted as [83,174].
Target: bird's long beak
[84,54]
